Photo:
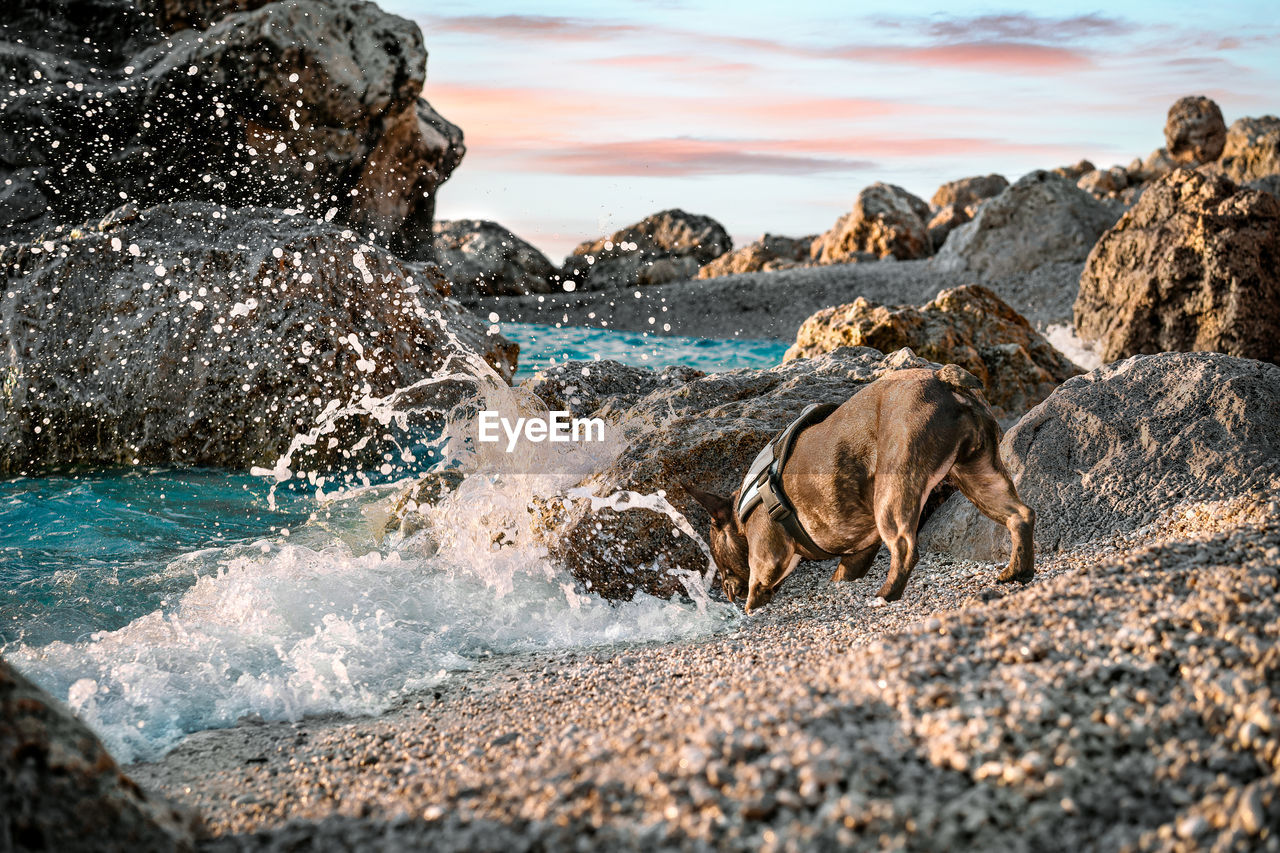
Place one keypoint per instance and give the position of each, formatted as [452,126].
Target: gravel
[774,304]
[1128,698]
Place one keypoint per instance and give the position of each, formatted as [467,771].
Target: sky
[583,117]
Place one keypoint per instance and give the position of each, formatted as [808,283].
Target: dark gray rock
[1109,450]
[61,790]
[195,335]
[481,258]
[667,246]
[305,104]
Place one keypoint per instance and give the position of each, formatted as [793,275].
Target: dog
[860,477]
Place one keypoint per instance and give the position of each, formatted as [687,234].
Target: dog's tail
[959,378]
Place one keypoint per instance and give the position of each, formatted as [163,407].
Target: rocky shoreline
[1086,711]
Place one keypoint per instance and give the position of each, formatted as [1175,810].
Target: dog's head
[727,540]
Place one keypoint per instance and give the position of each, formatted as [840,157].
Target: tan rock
[969,326]
[1195,265]
[1252,149]
[885,220]
[967,192]
[770,252]
[1075,171]
[1194,131]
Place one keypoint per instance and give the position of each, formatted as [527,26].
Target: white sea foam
[337,617]
[1064,338]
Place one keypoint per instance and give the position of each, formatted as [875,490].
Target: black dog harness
[763,483]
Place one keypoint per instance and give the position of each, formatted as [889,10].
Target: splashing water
[335,614]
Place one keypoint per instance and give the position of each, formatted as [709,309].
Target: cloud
[531,26]
[684,157]
[1016,26]
[1021,57]
[674,62]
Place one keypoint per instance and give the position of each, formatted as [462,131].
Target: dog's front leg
[767,574]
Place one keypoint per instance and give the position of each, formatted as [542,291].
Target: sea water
[159,602]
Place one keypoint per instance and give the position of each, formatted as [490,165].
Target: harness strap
[763,484]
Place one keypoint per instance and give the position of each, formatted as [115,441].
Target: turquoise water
[543,346]
[157,602]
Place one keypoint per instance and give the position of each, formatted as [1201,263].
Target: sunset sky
[579,121]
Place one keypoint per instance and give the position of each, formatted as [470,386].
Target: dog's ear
[721,509]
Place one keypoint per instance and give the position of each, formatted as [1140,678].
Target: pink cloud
[1020,57]
[678,157]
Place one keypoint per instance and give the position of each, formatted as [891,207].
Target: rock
[604,388]
[1194,131]
[1110,449]
[310,104]
[955,203]
[768,254]
[885,220]
[969,326]
[705,431]
[193,335]
[1252,149]
[968,192]
[481,258]
[1195,265]
[1105,183]
[61,790]
[173,15]
[1041,219]
[1076,171]
[667,246]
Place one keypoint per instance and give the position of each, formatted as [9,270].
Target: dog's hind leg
[855,566]
[986,483]
[897,520]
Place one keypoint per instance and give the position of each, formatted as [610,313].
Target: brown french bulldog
[861,477]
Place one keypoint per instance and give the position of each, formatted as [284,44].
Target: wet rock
[311,105]
[605,388]
[61,790]
[885,220]
[195,335]
[665,247]
[1194,131]
[704,431]
[771,252]
[1195,265]
[969,326]
[1252,149]
[1110,449]
[481,258]
[1041,219]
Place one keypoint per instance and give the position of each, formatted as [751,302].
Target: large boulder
[61,790]
[1195,265]
[481,258]
[1110,450]
[771,252]
[668,246]
[704,431]
[885,220]
[195,335]
[1194,131]
[306,104]
[969,326]
[956,202]
[1252,150]
[1041,219]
